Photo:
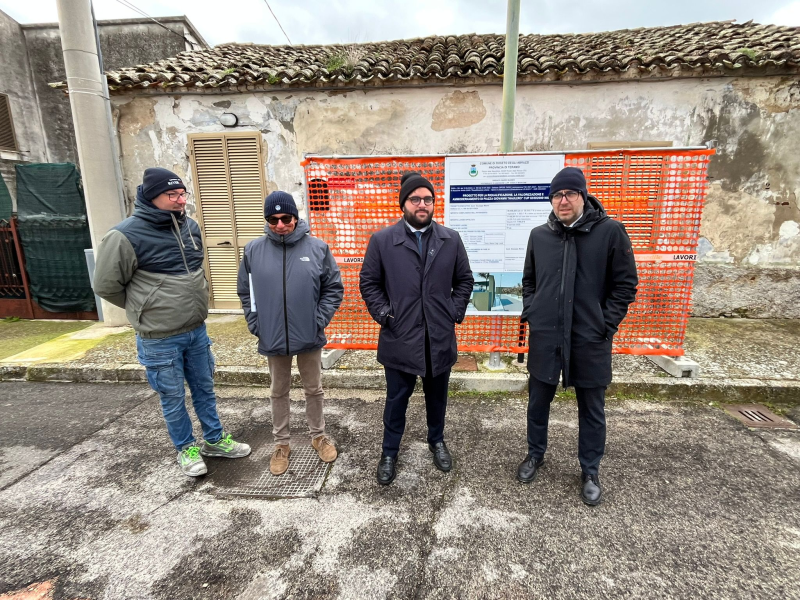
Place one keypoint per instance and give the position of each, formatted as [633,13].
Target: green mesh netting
[5,201]
[56,263]
[54,233]
[49,189]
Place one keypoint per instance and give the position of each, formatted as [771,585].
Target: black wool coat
[577,285]
[403,296]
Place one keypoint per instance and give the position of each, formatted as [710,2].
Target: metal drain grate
[304,478]
[756,415]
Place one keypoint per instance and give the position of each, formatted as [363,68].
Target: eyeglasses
[415,200]
[174,197]
[285,219]
[570,195]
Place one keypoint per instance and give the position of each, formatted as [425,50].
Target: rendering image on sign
[494,202]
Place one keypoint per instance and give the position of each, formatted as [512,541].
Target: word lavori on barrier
[493,201]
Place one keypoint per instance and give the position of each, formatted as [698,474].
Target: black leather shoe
[526,472]
[441,456]
[592,492]
[386,470]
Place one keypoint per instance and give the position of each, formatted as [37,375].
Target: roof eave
[573,77]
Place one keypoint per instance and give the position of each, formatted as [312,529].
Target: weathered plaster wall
[121,44]
[47,62]
[750,244]
[126,44]
[16,82]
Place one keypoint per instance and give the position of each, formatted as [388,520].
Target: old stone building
[736,84]
[35,120]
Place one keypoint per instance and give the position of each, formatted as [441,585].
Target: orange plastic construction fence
[657,194]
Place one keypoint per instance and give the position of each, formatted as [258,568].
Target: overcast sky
[347,21]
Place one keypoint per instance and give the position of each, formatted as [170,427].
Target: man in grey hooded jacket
[290,288]
[151,265]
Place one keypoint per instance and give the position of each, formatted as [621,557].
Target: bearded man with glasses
[151,265]
[416,282]
[290,288]
[578,281]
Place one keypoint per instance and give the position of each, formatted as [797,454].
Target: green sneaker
[226,447]
[191,462]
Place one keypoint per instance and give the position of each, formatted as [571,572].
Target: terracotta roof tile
[707,49]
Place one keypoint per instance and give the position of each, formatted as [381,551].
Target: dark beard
[411,219]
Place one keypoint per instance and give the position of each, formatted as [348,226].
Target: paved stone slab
[466,363]
[745,348]
[724,348]
[65,348]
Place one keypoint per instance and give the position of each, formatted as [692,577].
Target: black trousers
[399,387]
[591,422]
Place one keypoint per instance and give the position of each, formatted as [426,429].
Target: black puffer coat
[577,285]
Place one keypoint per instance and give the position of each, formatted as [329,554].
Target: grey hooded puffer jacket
[290,288]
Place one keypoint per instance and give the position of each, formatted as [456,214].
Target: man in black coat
[578,281]
[416,283]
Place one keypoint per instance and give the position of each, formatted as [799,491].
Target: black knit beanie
[411,181]
[568,178]
[280,203]
[157,181]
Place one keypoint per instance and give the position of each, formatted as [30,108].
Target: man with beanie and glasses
[578,281]
[290,288]
[416,282]
[151,265]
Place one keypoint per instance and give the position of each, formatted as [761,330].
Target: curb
[709,390]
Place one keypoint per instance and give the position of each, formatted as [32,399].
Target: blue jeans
[168,362]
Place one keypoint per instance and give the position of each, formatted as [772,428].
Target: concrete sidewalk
[697,506]
[740,359]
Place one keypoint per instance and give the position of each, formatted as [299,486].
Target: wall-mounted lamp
[228,120]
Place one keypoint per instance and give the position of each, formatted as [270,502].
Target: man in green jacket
[151,265]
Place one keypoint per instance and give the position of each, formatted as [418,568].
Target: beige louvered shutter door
[244,162]
[229,181]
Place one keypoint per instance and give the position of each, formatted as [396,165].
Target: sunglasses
[285,219]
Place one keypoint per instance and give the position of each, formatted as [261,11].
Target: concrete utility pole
[510,77]
[507,122]
[91,114]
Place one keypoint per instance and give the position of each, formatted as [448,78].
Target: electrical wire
[278,22]
[127,4]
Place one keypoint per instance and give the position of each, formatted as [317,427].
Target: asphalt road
[38,421]
[696,506]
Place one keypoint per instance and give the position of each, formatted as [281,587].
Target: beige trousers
[280,371]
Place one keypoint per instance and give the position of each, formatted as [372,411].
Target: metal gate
[15,294]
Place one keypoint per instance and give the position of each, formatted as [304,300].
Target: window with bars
[7,139]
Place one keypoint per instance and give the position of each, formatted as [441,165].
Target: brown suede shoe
[280,459]
[325,448]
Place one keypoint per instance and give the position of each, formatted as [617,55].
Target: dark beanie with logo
[280,203]
[410,182]
[156,181]
[569,178]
